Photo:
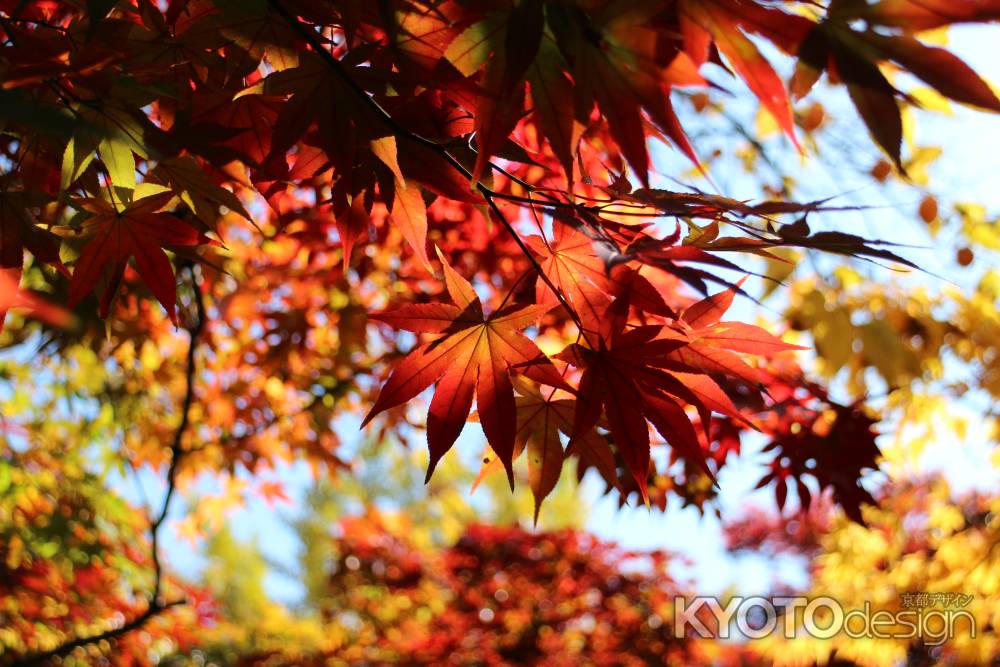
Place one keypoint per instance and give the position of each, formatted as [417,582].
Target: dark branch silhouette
[155,605]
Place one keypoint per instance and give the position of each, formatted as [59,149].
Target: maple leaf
[649,372]
[833,446]
[409,214]
[552,102]
[352,222]
[711,343]
[315,94]
[941,69]
[799,235]
[594,452]
[874,98]
[786,31]
[474,353]
[542,419]
[614,62]
[190,182]
[11,296]
[501,106]
[714,17]
[916,16]
[139,231]
[852,56]
[115,134]
[247,122]
[664,254]
[625,379]
[571,264]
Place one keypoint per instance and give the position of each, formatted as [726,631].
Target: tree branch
[489,195]
[65,649]
[155,606]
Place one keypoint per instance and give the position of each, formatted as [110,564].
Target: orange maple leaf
[473,353]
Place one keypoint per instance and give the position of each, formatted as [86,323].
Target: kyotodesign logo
[931,617]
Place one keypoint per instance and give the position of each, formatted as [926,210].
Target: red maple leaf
[712,343]
[624,377]
[648,373]
[473,353]
[139,231]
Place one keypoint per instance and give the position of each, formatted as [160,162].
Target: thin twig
[176,449]
[534,262]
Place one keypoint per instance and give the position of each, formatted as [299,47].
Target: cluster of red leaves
[805,435]
[504,596]
[629,375]
[808,435]
[134,129]
[772,534]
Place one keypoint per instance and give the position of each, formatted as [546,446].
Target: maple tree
[296,183]
[923,537]
[475,600]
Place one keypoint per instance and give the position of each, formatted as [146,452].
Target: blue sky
[969,171]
